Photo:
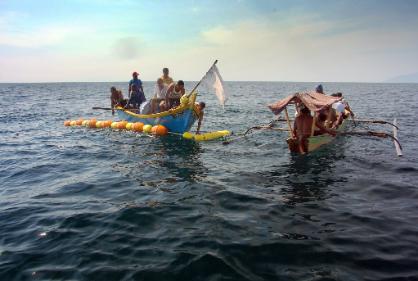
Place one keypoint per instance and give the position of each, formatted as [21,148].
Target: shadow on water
[309,176]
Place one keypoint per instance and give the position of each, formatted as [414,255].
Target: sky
[264,40]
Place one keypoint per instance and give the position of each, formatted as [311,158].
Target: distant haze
[410,78]
[269,40]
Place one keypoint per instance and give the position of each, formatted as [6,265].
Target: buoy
[99,124]
[73,123]
[184,100]
[67,123]
[159,130]
[108,123]
[206,136]
[128,126]
[121,125]
[85,123]
[137,127]
[92,123]
[147,128]
[79,122]
[114,125]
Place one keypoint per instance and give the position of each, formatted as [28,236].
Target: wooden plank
[395,135]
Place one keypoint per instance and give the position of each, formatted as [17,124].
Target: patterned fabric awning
[314,101]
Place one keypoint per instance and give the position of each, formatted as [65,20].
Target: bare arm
[323,129]
[199,123]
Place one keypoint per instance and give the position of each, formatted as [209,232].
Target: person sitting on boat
[160,92]
[200,107]
[167,80]
[174,93]
[319,89]
[116,98]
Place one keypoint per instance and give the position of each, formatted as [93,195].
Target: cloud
[127,48]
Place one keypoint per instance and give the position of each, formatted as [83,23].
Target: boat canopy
[314,101]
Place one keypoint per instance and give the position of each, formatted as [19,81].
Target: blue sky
[298,40]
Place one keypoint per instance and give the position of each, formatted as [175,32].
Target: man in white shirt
[158,100]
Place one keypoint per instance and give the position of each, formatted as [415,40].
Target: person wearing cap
[166,79]
[319,89]
[136,91]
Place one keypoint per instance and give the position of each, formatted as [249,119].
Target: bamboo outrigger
[317,103]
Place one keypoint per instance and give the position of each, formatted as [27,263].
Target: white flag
[213,80]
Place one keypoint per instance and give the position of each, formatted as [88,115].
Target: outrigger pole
[357,121]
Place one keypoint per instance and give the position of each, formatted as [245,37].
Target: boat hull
[315,142]
[176,120]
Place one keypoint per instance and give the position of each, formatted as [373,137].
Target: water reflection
[157,161]
[309,176]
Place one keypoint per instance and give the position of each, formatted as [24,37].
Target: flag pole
[197,85]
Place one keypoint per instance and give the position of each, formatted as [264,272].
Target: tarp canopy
[314,101]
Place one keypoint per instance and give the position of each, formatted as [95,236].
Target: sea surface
[97,204]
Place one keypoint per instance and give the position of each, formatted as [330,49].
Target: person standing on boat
[174,93]
[319,89]
[167,80]
[116,98]
[160,92]
[136,92]
[302,128]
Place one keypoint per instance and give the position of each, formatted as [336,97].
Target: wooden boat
[317,103]
[314,102]
[315,142]
[177,120]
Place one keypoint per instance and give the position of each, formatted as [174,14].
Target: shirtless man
[303,126]
[200,106]
[116,98]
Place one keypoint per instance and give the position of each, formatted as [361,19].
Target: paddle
[101,108]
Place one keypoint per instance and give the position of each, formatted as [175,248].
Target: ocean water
[84,204]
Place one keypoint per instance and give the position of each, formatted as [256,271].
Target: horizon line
[256,81]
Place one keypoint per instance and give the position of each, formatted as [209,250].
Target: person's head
[201,105]
[180,84]
[160,82]
[305,111]
[135,74]
[112,90]
[319,89]
[165,71]
[337,95]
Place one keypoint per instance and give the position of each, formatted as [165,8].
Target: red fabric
[314,101]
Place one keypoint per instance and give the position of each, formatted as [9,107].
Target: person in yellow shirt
[166,79]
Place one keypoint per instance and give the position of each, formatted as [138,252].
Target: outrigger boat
[316,103]
[177,120]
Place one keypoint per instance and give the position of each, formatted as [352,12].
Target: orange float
[67,123]
[79,122]
[137,127]
[122,125]
[159,130]
[92,123]
[108,123]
